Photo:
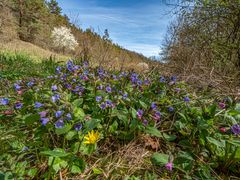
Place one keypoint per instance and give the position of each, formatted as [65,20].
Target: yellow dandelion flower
[92,137]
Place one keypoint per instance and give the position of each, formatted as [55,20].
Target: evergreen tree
[54,7]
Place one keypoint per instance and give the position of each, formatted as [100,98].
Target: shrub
[63,38]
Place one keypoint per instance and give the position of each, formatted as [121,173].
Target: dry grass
[124,161]
[32,50]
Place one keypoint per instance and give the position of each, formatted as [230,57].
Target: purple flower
[177,90]
[157,116]
[235,129]
[44,121]
[4,101]
[186,99]
[108,103]
[139,82]
[54,87]
[17,86]
[29,84]
[55,98]
[58,114]
[108,89]
[70,65]
[78,127]
[85,64]
[59,124]
[170,109]
[154,105]
[98,98]
[42,114]
[38,104]
[18,105]
[125,96]
[100,87]
[69,116]
[162,79]
[222,105]
[146,82]
[145,122]
[140,113]
[173,78]
[169,166]
[103,106]
[58,69]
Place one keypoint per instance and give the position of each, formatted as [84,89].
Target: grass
[34,52]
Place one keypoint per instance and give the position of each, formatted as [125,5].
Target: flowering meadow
[59,125]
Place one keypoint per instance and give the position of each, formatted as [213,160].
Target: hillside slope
[24,24]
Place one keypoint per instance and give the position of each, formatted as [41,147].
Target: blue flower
[145,122]
[125,96]
[162,79]
[30,84]
[78,127]
[154,105]
[69,116]
[100,87]
[55,98]
[38,104]
[157,115]
[59,124]
[17,86]
[140,113]
[58,114]
[4,101]
[18,105]
[235,129]
[44,121]
[98,98]
[171,109]
[173,78]
[103,105]
[54,88]
[108,89]
[186,99]
[108,103]
[58,69]
[70,65]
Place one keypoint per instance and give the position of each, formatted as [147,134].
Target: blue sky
[138,25]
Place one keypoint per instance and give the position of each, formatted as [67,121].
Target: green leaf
[91,124]
[32,172]
[70,135]
[160,159]
[113,127]
[66,128]
[143,105]
[97,171]
[216,142]
[134,113]
[55,153]
[171,137]
[31,118]
[77,103]
[78,166]
[153,131]
[78,113]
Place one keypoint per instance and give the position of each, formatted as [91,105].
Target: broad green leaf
[153,131]
[55,153]
[78,113]
[77,103]
[216,142]
[90,125]
[170,137]
[97,171]
[160,159]
[70,135]
[143,104]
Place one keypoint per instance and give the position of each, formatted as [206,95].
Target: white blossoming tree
[63,38]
